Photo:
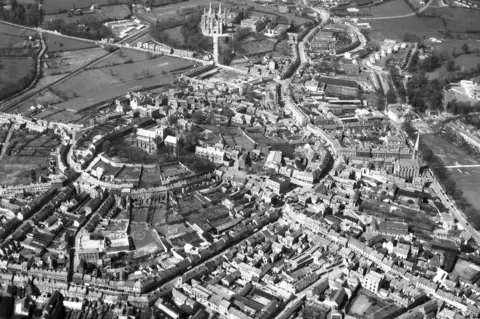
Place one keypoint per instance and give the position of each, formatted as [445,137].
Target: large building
[373,281]
[463,91]
[407,168]
[213,22]
[334,86]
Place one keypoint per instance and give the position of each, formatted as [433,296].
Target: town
[265,160]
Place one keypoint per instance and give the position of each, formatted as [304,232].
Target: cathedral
[213,22]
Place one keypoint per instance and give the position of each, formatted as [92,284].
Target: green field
[56,43]
[397,28]
[463,62]
[466,179]
[56,6]
[119,12]
[388,9]
[96,85]
[16,73]
[459,21]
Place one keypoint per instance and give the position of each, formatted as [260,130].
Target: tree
[391,97]
[450,65]
[465,48]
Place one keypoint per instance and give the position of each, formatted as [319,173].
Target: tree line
[94,31]
[27,15]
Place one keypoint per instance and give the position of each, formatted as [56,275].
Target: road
[7,140]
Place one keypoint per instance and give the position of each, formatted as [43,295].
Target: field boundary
[38,73]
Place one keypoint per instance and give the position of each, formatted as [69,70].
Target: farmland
[462,62]
[388,8]
[16,73]
[97,85]
[459,22]
[122,56]
[68,61]
[397,28]
[56,43]
[115,12]
[56,6]
[26,157]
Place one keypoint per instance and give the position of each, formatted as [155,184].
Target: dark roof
[338,82]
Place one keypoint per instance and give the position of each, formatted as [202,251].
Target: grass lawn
[396,28]
[118,12]
[389,8]
[365,304]
[57,43]
[466,179]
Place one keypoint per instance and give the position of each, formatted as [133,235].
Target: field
[463,62]
[57,43]
[122,56]
[466,179]
[55,6]
[97,85]
[69,61]
[171,9]
[145,239]
[365,304]
[118,12]
[16,73]
[397,28]
[87,18]
[389,8]
[30,153]
[462,22]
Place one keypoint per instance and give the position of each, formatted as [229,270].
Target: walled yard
[365,304]
[26,158]
[115,12]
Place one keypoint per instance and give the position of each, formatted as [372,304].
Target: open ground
[94,86]
[466,179]
[59,43]
[365,304]
[388,8]
[397,28]
[56,6]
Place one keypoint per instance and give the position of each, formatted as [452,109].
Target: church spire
[417,143]
[220,9]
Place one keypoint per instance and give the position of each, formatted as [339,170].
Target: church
[213,22]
